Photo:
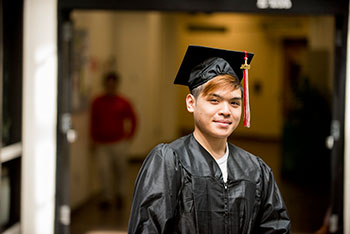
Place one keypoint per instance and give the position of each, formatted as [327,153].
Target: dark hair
[111,76]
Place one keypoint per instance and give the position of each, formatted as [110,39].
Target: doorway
[106,42]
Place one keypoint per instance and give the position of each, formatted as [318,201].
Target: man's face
[110,86]
[217,114]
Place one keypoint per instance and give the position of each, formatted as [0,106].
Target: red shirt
[109,114]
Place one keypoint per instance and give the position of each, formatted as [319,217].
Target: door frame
[337,128]
[337,8]
[62,207]
[1,79]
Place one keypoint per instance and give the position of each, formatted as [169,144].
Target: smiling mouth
[223,122]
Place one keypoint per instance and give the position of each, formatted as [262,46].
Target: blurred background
[53,61]
[290,93]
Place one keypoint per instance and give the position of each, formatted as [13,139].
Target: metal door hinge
[65,215]
[66,127]
[335,134]
[333,223]
[338,38]
[67,31]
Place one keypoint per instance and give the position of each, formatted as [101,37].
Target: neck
[110,94]
[215,146]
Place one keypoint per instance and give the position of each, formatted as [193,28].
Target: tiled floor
[306,205]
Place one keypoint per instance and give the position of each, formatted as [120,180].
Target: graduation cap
[201,64]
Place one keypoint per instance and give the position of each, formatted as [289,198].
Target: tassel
[245,68]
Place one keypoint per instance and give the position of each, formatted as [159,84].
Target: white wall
[145,54]
[39,117]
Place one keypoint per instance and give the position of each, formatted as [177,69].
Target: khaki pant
[112,169]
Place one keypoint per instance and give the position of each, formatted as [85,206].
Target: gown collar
[199,161]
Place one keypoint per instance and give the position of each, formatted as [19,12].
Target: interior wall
[322,37]
[99,29]
[147,68]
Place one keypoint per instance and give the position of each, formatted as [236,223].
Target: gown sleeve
[155,194]
[273,216]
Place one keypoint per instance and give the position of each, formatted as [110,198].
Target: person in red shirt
[113,124]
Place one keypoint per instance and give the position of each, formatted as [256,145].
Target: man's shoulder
[122,98]
[170,147]
[161,154]
[240,151]
[97,98]
[166,150]
[100,98]
[245,156]
[179,142]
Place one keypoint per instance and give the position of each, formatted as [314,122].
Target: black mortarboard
[200,64]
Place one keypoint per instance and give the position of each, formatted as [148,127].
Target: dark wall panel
[296,6]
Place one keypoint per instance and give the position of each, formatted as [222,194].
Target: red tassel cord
[246,100]
[245,68]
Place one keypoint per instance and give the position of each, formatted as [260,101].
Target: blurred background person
[112,126]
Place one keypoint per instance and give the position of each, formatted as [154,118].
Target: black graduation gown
[180,189]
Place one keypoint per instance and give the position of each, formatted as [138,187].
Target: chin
[222,135]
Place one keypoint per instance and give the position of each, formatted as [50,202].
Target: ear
[190,103]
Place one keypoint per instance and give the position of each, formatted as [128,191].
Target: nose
[225,109]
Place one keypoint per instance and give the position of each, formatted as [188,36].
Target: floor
[306,204]
[90,219]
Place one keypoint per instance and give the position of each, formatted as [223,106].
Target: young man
[113,124]
[200,183]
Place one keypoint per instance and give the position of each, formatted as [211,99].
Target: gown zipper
[226,207]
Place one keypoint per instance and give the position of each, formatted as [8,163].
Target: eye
[213,100]
[235,103]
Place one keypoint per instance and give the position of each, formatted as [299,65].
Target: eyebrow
[218,96]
